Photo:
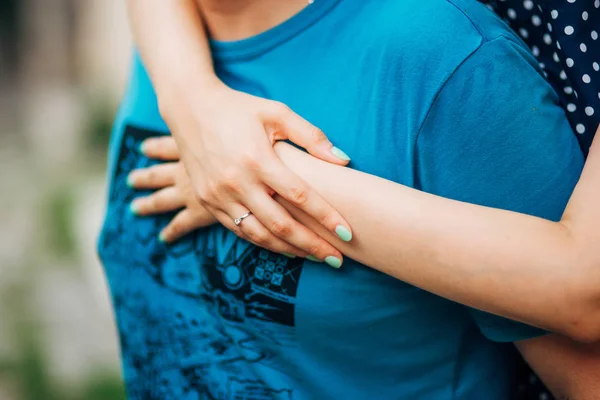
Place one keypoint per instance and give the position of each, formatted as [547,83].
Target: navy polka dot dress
[563,35]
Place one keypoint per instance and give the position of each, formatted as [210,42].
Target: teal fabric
[435,94]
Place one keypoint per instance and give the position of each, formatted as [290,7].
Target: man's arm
[570,370]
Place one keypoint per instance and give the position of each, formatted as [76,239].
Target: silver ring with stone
[238,221]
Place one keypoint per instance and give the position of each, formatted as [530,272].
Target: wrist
[199,91]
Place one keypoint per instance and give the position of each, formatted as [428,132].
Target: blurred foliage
[58,217]
[101,114]
[30,372]
[103,386]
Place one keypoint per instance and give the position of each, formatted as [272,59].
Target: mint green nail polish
[343,233]
[161,238]
[313,259]
[130,181]
[340,154]
[141,148]
[333,261]
[289,255]
[133,208]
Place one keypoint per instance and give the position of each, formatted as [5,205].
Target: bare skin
[569,369]
[227,138]
[562,241]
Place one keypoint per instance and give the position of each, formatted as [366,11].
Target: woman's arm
[526,268]
[226,136]
[522,267]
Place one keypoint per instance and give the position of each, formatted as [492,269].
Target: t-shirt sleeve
[496,136]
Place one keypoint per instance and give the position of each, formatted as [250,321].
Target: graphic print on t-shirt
[198,317]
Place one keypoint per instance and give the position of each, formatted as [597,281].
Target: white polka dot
[571,1]
[596,66]
[597,4]
[569,30]
[563,75]
[523,32]
[586,78]
[555,57]
[554,14]
[528,4]
[544,396]
[594,35]
[568,90]
[580,128]
[542,65]
[570,62]
[535,50]
[549,26]
[584,15]
[512,14]
[571,107]
[536,20]
[547,39]
[583,47]
[589,111]
[557,45]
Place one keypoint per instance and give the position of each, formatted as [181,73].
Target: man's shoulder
[439,33]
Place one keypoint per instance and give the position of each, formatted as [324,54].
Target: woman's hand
[174,192]
[227,149]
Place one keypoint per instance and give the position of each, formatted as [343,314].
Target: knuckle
[318,135]
[281,109]
[281,228]
[329,218]
[158,202]
[314,249]
[150,204]
[175,229]
[152,174]
[259,238]
[209,193]
[230,181]
[298,196]
[251,160]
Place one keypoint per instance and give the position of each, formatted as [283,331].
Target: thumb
[304,134]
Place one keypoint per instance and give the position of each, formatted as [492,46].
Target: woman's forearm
[173,45]
[510,264]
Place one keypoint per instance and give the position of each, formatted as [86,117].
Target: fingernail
[141,148]
[343,233]
[313,259]
[162,238]
[333,261]
[289,255]
[133,208]
[340,154]
[130,180]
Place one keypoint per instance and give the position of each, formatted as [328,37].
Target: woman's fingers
[254,231]
[186,221]
[292,188]
[285,228]
[161,201]
[160,148]
[154,177]
[286,124]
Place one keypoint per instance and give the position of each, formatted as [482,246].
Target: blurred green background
[63,65]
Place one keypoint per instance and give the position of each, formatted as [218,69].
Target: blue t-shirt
[435,94]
